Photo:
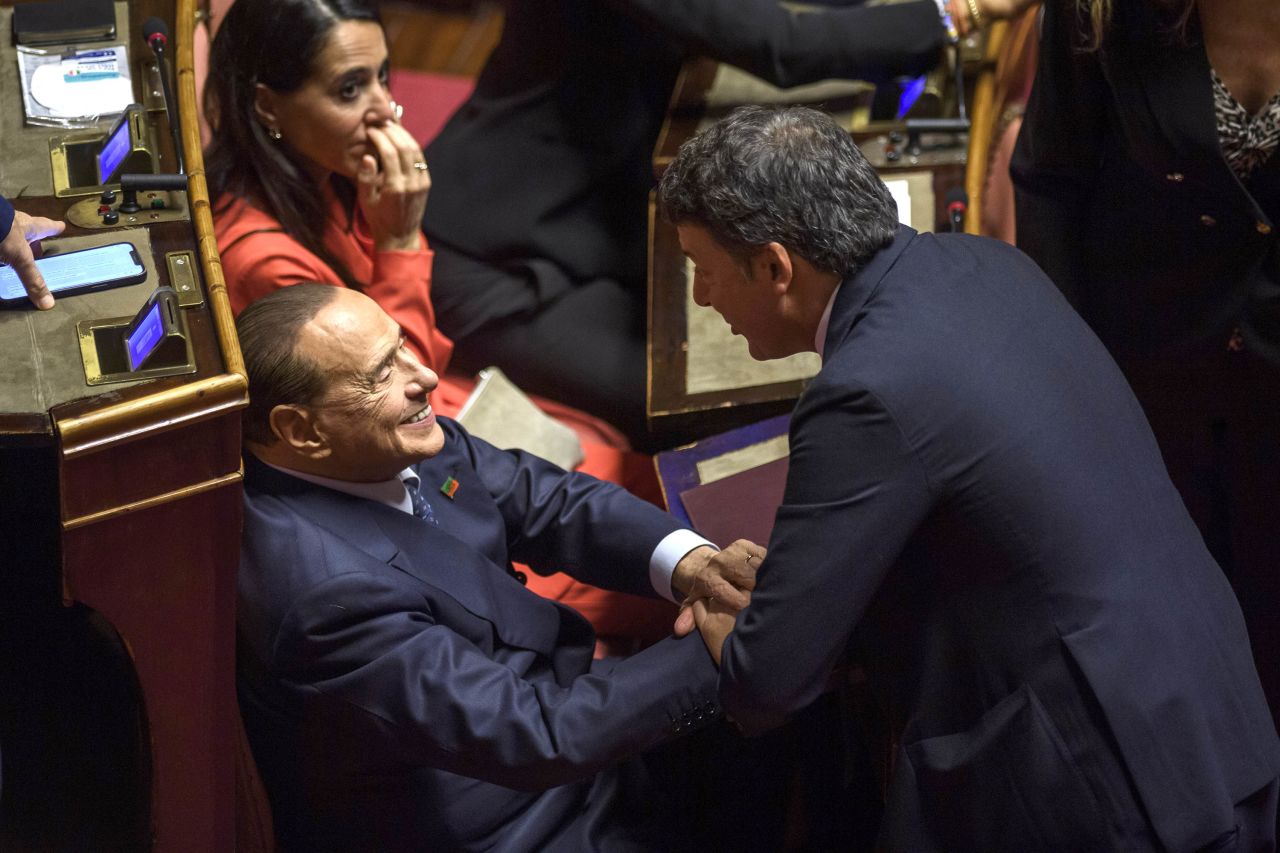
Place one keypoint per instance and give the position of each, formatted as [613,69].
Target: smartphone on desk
[97,268]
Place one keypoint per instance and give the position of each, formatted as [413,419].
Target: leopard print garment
[1247,141]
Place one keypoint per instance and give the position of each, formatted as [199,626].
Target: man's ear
[264,105]
[296,428]
[772,263]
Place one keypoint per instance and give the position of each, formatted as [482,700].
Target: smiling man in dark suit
[402,690]
[976,503]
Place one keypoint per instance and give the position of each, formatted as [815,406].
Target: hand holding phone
[15,250]
[97,268]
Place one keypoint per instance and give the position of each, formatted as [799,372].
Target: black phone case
[92,286]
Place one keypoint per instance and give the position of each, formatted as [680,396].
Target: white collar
[393,492]
[820,340]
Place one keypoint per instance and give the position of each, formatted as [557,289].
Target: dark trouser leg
[584,347]
[1217,418]
[807,785]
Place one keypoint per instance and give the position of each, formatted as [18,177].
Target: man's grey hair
[269,331]
[789,175]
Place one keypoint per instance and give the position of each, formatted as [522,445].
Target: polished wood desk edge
[173,407]
[982,128]
[25,429]
[650,305]
[198,190]
[156,500]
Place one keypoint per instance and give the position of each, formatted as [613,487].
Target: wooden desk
[128,499]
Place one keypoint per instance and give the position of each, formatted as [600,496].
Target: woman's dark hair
[273,42]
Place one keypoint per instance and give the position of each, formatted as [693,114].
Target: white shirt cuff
[671,550]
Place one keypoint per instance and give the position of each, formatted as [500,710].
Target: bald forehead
[347,334]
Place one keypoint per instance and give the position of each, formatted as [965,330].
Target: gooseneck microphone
[957,207]
[156,33]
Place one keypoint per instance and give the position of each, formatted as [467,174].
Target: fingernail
[44,303]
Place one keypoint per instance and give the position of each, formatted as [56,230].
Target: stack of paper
[504,416]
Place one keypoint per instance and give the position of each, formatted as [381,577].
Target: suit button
[522,577]
[1207,221]
[1176,177]
[1263,228]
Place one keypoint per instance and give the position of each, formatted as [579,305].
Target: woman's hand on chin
[393,198]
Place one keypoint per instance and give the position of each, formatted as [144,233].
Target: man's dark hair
[788,175]
[278,376]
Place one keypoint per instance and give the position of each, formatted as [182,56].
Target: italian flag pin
[449,488]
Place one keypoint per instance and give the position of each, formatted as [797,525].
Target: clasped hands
[715,585]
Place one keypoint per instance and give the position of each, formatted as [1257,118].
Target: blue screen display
[911,91]
[113,153]
[145,337]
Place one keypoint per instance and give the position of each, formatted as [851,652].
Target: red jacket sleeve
[257,262]
[401,284]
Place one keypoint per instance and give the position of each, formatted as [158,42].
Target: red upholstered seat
[428,100]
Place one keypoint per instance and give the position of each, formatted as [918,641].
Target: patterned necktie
[421,507]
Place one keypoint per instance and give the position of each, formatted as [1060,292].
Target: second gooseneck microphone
[156,33]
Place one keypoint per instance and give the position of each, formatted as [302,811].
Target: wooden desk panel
[131,507]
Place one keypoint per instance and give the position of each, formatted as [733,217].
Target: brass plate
[58,161]
[182,278]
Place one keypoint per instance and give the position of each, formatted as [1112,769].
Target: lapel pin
[449,488]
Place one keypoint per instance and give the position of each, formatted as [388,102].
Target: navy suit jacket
[403,691]
[976,505]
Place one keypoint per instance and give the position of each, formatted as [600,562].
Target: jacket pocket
[1008,783]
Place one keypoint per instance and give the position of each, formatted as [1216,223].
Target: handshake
[715,586]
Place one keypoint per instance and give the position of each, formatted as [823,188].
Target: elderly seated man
[402,690]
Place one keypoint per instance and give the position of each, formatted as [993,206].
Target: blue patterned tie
[421,507]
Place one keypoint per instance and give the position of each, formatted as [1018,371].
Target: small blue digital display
[145,337]
[113,153]
[911,91]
